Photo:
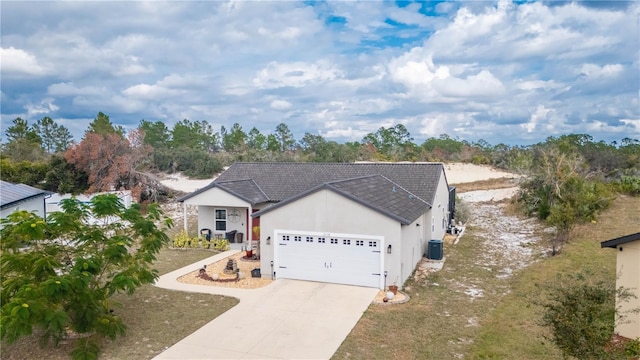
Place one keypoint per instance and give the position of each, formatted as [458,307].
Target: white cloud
[20,61]
[149,92]
[45,106]
[495,70]
[429,82]
[280,105]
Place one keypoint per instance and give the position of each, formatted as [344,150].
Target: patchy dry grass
[490,184]
[467,311]
[512,330]
[156,318]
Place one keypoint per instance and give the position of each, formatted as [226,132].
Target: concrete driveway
[287,319]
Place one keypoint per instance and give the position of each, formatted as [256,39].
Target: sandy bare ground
[458,173]
[182,183]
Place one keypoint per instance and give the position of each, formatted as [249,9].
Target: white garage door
[352,260]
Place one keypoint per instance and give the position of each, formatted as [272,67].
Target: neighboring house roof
[613,243]
[281,181]
[11,194]
[375,192]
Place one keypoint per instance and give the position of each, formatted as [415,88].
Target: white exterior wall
[628,276]
[216,198]
[439,212]
[411,251]
[34,204]
[432,225]
[327,212]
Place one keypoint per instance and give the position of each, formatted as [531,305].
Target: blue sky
[506,72]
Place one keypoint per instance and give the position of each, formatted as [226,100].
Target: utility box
[435,250]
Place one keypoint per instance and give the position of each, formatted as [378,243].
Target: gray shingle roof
[13,193]
[245,189]
[276,182]
[280,181]
[375,192]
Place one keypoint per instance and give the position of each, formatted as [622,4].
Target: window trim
[217,220]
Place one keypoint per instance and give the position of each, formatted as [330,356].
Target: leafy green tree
[64,178]
[156,134]
[285,137]
[31,173]
[394,143]
[235,139]
[195,135]
[580,313]
[256,140]
[101,125]
[272,143]
[20,130]
[63,139]
[24,150]
[55,137]
[23,144]
[60,274]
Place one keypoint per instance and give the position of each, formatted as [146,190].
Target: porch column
[184,216]
[250,234]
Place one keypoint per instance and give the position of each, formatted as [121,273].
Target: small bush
[580,313]
[220,244]
[463,212]
[183,240]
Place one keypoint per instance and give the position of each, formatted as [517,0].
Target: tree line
[107,157]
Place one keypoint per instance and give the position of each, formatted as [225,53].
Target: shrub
[183,240]
[629,185]
[220,244]
[580,313]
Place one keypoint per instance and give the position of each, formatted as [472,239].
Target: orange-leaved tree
[111,160]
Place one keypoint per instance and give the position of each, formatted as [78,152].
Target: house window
[221,219]
[309,239]
[373,243]
[297,238]
[359,242]
[346,242]
[334,241]
[321,240]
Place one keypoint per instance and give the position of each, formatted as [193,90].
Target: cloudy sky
[504,72]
